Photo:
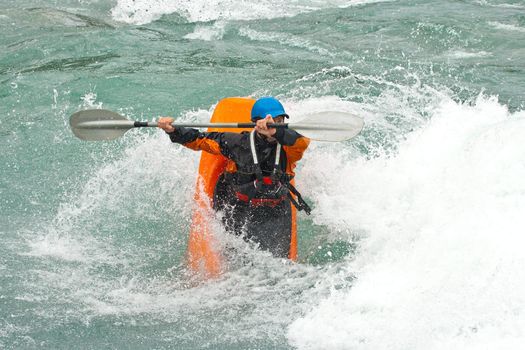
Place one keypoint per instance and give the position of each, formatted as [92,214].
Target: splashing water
[415,238]
[441,252]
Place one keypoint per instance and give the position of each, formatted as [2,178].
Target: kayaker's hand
[262,126]
[165,124]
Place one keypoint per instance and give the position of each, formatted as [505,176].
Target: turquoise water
[416,235]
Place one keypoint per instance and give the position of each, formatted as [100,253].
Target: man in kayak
[254,192]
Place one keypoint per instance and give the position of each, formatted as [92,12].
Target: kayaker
[254,192]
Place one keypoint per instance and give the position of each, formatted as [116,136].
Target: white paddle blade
[99,125]
[329,126]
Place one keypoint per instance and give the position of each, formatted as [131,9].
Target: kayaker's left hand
[262,126]
[165,124]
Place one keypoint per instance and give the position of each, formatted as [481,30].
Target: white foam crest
[440,261]
[510,6]
[64,248]
[299,109]
[89,100]
[503,5]
[465,54]
[284,39]
[208,32]
[508,27]
[146,11]
[409,86]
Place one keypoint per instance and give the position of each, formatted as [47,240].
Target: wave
[502,5]
[208,32]
[146,11]
[508,27]
[440,259]
[51,16]
[284,39]
[459,54]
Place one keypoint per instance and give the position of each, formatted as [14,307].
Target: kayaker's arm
[184,135]
[295,152]
[211,142]
[287,137]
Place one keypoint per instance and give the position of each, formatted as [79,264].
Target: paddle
[100,124]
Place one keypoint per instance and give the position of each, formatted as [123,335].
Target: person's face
[279,119]
[270,139]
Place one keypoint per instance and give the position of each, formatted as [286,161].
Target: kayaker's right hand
[261,126]
[165,124]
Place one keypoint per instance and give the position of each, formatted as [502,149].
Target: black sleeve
[287,137]
[225,143]
[184,135]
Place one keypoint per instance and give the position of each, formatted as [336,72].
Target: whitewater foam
[501,5]
[509,27]
[284,39]
[459,54]
[440,259]
[208,32]
[112,193]
[146,11]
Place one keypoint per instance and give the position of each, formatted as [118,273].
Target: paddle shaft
[209,125]
[127,124]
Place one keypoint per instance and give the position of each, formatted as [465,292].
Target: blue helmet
[265,106]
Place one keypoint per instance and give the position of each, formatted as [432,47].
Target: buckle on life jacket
[267,180]
[260,202]
[267,202]
[242,197]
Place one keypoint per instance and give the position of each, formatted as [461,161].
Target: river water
[417,233]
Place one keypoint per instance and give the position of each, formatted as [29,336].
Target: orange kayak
[204,258]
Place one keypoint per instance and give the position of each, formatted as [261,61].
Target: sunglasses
[279,119]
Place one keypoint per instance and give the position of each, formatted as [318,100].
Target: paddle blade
[329,126]
[99,125]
